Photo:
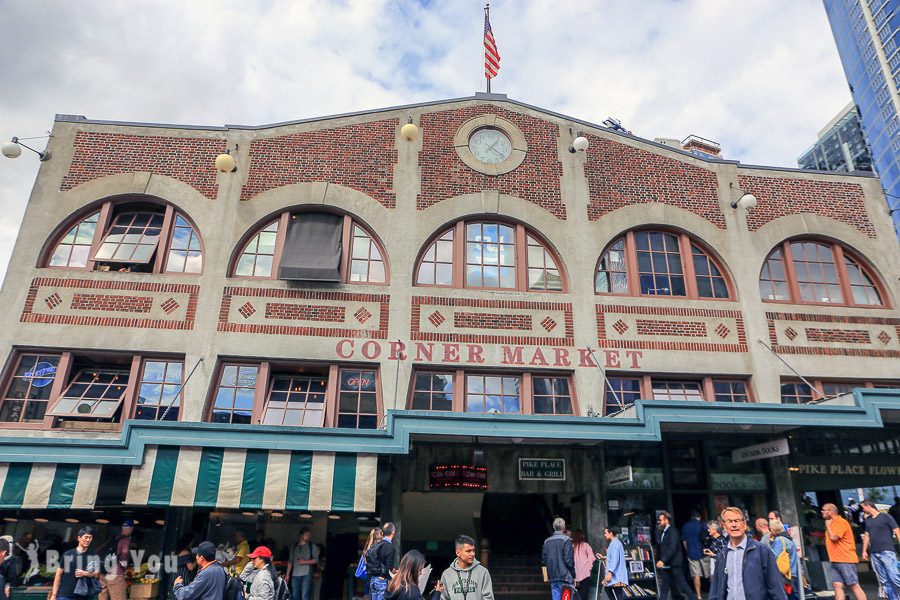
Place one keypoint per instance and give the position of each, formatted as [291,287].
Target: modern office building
[444,315]
[841,145]
[865,33]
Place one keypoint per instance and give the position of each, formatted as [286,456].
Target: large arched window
[312,246]
[805,271]
[660,263]
[489,255]
[133,235]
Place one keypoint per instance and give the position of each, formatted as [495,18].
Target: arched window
[489,255]
[815,272]
[313,246]
[659,263]
[130,236]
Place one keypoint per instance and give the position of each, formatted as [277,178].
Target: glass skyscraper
[866,35]
[840,147]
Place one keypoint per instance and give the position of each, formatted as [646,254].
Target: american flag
[491,55]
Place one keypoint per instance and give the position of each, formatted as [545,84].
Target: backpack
[783,559]
[281,587]
[373,561]
[234,587]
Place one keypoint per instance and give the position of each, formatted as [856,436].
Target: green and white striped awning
[35,485]
[254,479]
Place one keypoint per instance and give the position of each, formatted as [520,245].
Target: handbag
[87,587]
[361,568]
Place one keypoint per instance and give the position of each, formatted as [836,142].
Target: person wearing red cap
[258,574]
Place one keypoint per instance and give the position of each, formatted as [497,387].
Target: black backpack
[281,587]
[374,568]
[234,587]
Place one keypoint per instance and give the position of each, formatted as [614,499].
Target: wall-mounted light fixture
[225,162]
[13,148]
[409,131]
[746,200]
[579,144]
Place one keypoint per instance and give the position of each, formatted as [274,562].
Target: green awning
[254,479]
[36,485]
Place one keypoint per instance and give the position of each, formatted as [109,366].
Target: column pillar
[595,518]
[785,496]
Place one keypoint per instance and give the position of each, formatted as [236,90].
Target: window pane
[814,264]
[257,256]
[436,266]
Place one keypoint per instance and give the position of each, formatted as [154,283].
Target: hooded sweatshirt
[475,580]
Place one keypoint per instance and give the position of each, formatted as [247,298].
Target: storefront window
[93,393]
[621,392]
[296,400]
[492,394]
[433,391]
[358,400]
[686,465]
[158,394]
[234,398]
[677,390]
[551,396]
[28,392]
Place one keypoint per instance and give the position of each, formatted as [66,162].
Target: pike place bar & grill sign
[542,469]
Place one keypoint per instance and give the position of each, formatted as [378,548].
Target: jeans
[885,565]
[556,588]
[301,586]
[377,587]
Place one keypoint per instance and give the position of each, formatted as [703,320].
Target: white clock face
[490,145]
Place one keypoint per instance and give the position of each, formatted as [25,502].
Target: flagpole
[487,16]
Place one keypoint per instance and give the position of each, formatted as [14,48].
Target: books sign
[777,447]
[542,469]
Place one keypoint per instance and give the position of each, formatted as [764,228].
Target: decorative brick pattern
[305,297]
[186,159]
[444,175]
[53,300]
[566,337]
[436,319]
[782,196]
[305,312]
[791,333]
[864,333]
[619,175]
[548,324]
[169,306]
[468,320]
[360,156]
[247,310]
[362,315]
[31,315]
[671,323]
[672,328]
[846,336]
[112,303]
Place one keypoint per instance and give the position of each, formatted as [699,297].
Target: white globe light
[12,150]
[409,132]
[748,201]
[225,163]
[580,144]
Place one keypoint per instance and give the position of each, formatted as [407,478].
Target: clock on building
[490,145]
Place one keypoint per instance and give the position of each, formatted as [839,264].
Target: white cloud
[759,77]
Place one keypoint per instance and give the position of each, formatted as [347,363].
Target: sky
[761,77]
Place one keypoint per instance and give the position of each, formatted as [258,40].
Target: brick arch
[620,175]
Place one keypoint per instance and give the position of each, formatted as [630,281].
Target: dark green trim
[254,478]
[344,484]
[63,488]
[299,480]
[13,494]
[207,491]
[163,479]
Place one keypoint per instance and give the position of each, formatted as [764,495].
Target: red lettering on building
[635,356]
[371,349]
[561,357]
[451,353]
[424,352]
[538,358]
[612,359]
[512,356]
[584,358]
[475,353]
[342,353]
[398,351]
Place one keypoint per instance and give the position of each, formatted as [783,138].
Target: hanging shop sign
[542,469]
[620,475]
[777,447]
[457,477]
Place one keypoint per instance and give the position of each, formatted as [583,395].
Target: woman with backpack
[405,583]
[785,551]
[374,537]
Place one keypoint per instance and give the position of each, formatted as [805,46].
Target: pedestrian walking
[258,574]
[5,584]
[76,564]
[558,558]
[186,562]
[375,536]
[782,544]
[692,538]
[616,577]
[670,564]
[715,544]
[209,584]
[240,559]
[113,584]
[381,562]
[745,569]
[465,578]
[878,543]
[304,555]
[584,561]
[405,584]
[841,549]
[762,531]
[10,565]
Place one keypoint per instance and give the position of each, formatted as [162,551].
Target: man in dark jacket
[558,557]
[669,563]
[745,569]
[209,584]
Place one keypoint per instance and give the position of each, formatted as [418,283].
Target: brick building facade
[488,303]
